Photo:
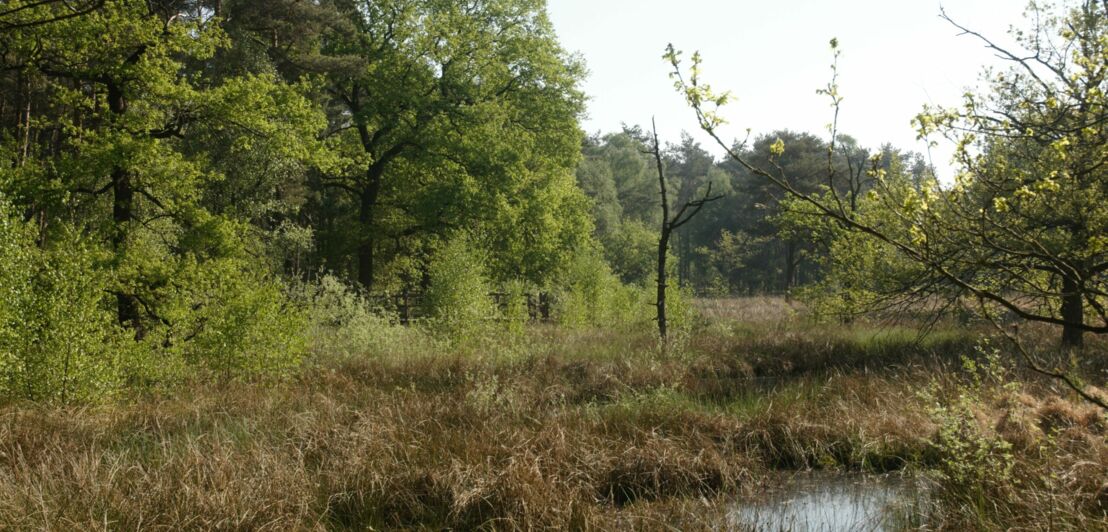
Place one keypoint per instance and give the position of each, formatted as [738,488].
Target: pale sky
[897,55]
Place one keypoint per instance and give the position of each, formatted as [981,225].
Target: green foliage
[681,317]
[199,158]
[861,274]
[515,312]
[726,261]
[57,336]
[591,295]
[343,324]
[973,457]
[632,252]
[457,300]
[242,321]
[1010,454]
[451,117]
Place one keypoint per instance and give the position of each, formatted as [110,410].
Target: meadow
[555,427]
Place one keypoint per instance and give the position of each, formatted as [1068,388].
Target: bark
[25,122]
[1073,313]
[367,210]
[685,213]
[123,212]
[663,245]
[663,240]
[790,266]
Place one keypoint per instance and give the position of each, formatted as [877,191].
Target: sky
[897,55]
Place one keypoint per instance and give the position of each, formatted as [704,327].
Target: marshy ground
[572,429]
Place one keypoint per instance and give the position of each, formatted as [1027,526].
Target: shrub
[343,323]
[58,340]
[1005,456]
[514,311]
[242,321]
[457,300]
[591,295]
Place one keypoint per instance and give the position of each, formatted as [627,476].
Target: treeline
[184,182]
[749,242]
[218,187]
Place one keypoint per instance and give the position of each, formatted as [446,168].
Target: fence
[409,306]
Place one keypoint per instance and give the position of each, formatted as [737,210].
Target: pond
[832,502]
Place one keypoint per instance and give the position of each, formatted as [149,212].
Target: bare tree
[687,211]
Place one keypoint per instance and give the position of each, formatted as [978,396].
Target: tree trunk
[1073,313]
[24,121]
[663,246]
[790,267]
[367,247]
[123,212]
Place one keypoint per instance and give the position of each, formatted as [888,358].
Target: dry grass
[759,310]
[576,429]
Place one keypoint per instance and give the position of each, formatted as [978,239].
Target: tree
[804,161]
[615,175]
[688,210]
[690,168]
[128,123]
[1030,197]
[22,15]
[455,115]
[1023,227]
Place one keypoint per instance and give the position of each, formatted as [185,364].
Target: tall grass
[551,427]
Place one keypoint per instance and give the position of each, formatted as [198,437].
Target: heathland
[561,427]
[354,264]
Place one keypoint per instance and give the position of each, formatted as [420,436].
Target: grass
[578,429]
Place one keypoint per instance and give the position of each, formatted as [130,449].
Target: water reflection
[833,502]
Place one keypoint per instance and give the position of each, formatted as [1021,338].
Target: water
[834,502]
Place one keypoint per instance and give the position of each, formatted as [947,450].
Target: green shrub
[514,312]
[343,323]
[58,339]
[974,462]
[591,295]
[242,320]
[680,314]
[457,300]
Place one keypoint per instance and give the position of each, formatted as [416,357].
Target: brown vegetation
[559,429]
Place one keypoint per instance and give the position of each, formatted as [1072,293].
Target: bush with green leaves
[241,320]
[215,309]
[514,311]
[58,338]
[343,323]
[591,295]
[975,463]
[457,301]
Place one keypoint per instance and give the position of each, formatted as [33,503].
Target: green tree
[127,136]
[1023,227]
[456,116]
[458,294]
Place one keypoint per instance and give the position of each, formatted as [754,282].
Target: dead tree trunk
[669,225]
[663,252]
